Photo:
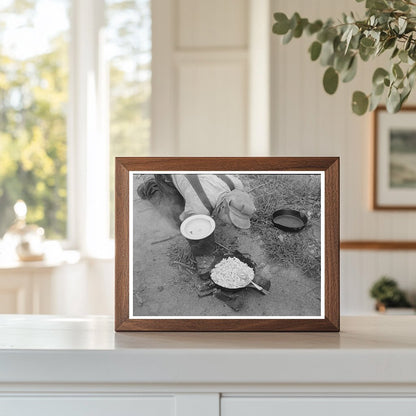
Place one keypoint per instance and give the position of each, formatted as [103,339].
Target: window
[33,98]
[75,87]
[129,46]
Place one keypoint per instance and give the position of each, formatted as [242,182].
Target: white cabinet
[52,365]
[202,405]
[270,406]
[88,406]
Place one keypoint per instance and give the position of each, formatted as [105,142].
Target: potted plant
[387,294]
[389,27]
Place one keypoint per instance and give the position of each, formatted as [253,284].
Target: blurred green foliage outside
[34,103]
[33,97]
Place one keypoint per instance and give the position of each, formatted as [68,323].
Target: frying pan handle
[259,288]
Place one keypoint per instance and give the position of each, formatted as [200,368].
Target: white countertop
[53,349]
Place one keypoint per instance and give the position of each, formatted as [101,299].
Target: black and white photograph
[394,159]
[403,158]
[226,244]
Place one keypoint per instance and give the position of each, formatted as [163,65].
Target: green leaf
[397,71]
[314,27]
[374,101]
[379,75]
[389,43]
[351,71]
[378,89]
[412,70]
[412,52]
[366,48]
[394,26]
[400,5]
[351,18]
[288,37]
[322,36]
[351,32]
[341,62]
[327,53]
[281,27]
[315,50]
[402,24]
[294,20]
[403,56]
[366,53]
[298,30]
[408,42]
[332,33]
[395,53]
[376,4]
[404,95]
[355,41]
[393,101]
[367,42]
[330,80]
[337,42]
[411,76]
[359,103]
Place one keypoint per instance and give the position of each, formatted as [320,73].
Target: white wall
[203,84]
[308,122]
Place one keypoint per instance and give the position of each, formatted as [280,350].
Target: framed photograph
[227,244]
[394,176]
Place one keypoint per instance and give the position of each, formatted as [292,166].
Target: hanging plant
[388,27]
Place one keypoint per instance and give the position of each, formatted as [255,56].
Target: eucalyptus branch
[389,25]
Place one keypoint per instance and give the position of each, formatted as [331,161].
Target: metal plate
[197,227]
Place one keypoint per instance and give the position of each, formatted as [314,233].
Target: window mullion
[88,137]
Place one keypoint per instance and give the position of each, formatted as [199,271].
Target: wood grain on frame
[378,245]
[329,165]
[375,204]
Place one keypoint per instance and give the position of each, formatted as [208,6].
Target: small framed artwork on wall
[227,244]
[394,178]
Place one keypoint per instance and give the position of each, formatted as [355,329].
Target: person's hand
[186,215]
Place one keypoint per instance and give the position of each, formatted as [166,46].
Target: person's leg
[148,189]
[170,202]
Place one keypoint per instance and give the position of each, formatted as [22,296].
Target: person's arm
[193,205]
[237,182]
[185,214]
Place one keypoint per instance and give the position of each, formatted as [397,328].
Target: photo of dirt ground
[165,278]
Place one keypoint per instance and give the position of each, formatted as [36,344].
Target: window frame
[87,128]
[87,133]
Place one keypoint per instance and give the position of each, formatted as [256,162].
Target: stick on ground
[165,239]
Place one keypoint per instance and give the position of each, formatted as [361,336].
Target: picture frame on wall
[394,152]
[227,244]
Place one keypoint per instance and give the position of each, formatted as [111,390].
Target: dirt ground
[161,288]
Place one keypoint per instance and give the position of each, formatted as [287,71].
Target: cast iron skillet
[289,220]
[249,263]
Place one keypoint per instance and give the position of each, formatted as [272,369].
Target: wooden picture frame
[278,169]
[394,184]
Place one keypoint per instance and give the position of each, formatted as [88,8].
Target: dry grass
[270,193]
[179,252]
[299,192]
